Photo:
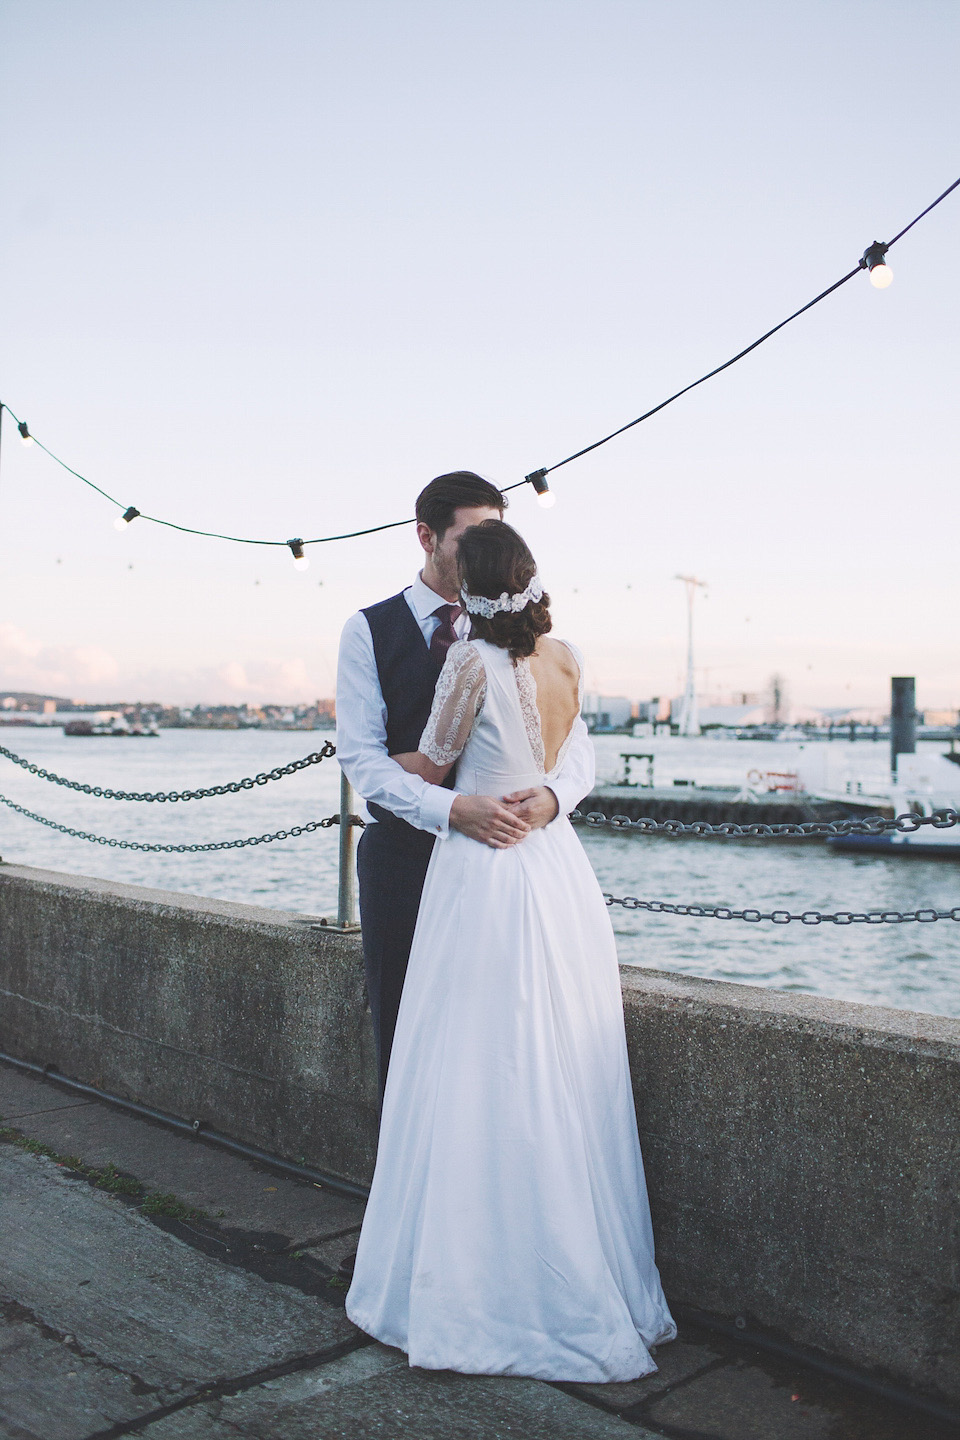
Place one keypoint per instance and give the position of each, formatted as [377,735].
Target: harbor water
[912,966]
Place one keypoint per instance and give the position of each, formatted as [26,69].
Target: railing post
[347,892]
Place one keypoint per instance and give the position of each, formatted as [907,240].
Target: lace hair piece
[512,604]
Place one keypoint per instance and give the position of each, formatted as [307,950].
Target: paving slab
[53,1389]
[331,1252]
[24,1094]
[741,1403]
[282,1211]
[374,1395]
[147,1314]
[676,1362]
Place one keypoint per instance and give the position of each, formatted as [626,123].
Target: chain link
[785,917]
[943,819]
[290,834]
[231,787]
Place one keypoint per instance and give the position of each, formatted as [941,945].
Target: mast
[689,719]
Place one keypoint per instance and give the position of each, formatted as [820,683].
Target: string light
[874,260]
[122,521]
[545,496]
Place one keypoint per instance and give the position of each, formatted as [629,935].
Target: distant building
[940,717]
[607,712]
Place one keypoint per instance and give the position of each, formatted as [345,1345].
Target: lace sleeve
[457,701]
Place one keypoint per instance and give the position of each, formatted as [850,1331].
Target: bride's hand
[537,806]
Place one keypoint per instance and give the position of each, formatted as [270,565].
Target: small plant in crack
[158,1203]
[108,1177]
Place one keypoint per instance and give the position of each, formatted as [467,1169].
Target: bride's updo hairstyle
[495,560]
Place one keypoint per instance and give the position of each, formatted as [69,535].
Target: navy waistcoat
[408,676]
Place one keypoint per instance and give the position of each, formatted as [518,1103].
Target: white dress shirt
[362,729]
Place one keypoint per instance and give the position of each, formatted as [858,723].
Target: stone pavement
[153,1285]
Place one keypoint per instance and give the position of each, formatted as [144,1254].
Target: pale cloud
[292,676]
[234,676]
[16,644]
[283,682]
[92,663]
[27,664]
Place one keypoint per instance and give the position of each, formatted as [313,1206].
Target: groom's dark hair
[437,502]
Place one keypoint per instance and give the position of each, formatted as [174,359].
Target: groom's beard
[449,578]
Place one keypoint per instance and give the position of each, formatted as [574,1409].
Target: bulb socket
[296,549]
[538,479]
[874,255]
[130,513]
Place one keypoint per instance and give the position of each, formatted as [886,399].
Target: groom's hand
[484,818]
[537,807]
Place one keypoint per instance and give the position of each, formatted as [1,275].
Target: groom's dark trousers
[393,856]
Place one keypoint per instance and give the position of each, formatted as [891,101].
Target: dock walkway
[717,807]
[153,1285]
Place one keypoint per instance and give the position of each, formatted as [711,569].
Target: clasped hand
[503,822]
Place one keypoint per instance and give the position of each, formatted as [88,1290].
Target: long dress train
[508,1229]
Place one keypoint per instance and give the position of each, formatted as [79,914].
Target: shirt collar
[425,600]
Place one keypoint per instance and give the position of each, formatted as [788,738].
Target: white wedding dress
[508,1229]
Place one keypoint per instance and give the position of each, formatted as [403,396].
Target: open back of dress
[508,1229]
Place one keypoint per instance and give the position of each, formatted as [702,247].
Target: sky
[269,267]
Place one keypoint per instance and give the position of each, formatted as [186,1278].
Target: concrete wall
[803,1155]
[242,1017]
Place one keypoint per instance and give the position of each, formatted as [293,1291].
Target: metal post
[903,718]
[347,894]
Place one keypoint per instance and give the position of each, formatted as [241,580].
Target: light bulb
[874,259]
[545,496]
[119,523]
[300,561]
[122,521]
[25,435]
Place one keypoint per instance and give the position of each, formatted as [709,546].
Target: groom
[391,655]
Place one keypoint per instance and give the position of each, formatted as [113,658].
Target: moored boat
[113,728]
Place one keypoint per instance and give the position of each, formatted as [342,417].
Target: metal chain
[628,902]
[784,917]
[292,833]
[943,819]
[231,787]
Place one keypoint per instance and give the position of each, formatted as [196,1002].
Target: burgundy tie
[444,635]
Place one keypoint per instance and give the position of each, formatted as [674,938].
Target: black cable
[66,466]
[900,233]
[547,470]
[215,534]
[537,475]
[709,376]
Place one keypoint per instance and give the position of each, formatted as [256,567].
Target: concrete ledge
[803,1158]
[242,1017]
[803,1154]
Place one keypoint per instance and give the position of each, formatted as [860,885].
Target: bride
[508,1229]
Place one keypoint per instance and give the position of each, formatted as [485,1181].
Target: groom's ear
[427,537]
